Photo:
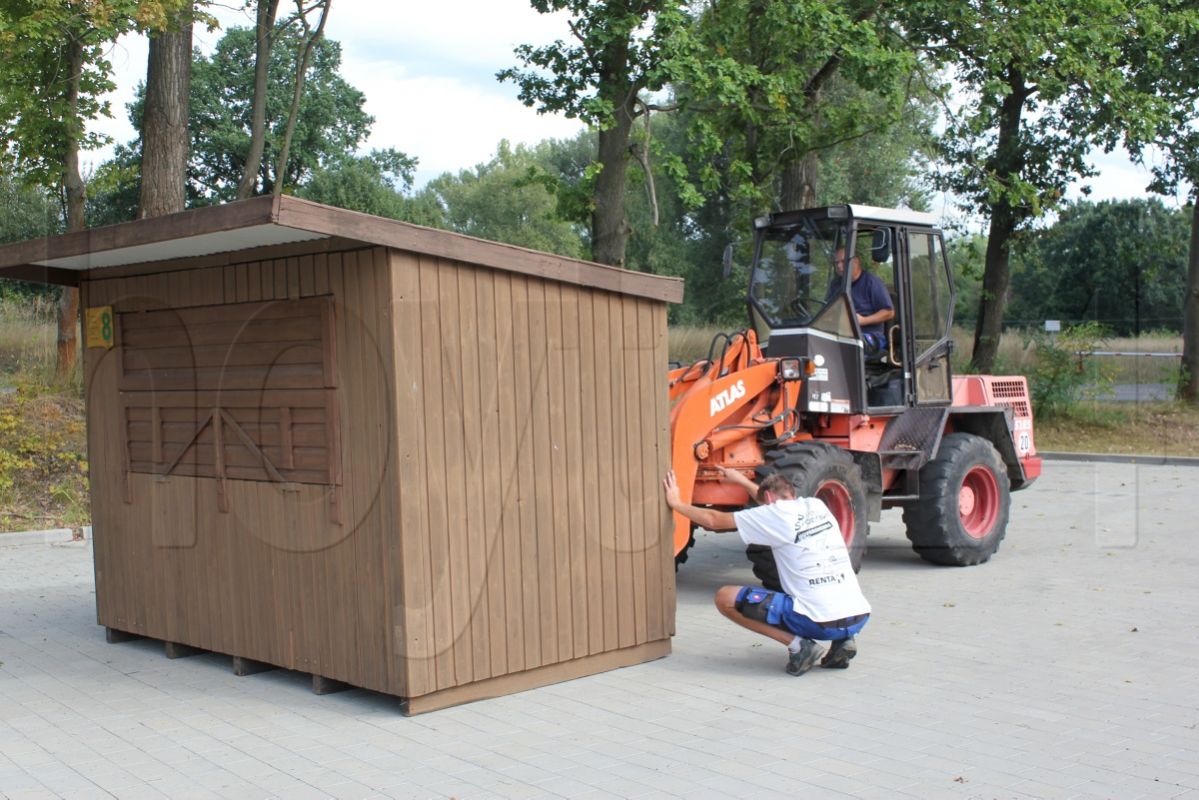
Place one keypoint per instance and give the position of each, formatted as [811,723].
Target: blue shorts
[774,608]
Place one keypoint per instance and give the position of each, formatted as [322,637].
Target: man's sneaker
[839,654]
[805,659]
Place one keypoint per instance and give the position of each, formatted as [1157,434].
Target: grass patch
[43,441]
[27,339]
[689,344]
[1159,429]
[1018,352]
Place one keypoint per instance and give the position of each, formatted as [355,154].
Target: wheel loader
[864,423]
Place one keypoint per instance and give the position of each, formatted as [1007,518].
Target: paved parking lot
[1066,667]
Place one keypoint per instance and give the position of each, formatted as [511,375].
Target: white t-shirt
[813,562]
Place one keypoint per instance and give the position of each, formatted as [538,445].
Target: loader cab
[800,304]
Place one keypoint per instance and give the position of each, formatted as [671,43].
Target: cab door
[931,317]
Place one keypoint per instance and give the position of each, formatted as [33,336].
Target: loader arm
[731,408]
[741,349]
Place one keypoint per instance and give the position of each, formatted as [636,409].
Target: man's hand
[708,518]
[738,478]
[732,475]
[670,487]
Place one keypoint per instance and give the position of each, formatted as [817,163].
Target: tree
[164,142]
[27,211]
[53,72]
[309,39]
[1165,67]
[1037,83]
[504,200]
[1121,263]
[777,83]
[373,184]
[329,124]
[617,54]
[264,33]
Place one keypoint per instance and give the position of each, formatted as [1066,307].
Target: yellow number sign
[100,327]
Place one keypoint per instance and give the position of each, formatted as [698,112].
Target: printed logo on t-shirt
[823,579]
[802,533]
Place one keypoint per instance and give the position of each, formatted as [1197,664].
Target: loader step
[915,430]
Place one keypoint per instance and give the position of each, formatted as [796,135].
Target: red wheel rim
[978,502]
[840,504]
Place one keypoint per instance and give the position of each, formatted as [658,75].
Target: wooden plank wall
[532,439]
[274,578]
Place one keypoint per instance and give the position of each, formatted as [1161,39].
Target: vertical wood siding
[531,444]
[275,578]
[502,442]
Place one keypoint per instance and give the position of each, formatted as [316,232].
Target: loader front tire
[962,514]
[829,473]
[680,557]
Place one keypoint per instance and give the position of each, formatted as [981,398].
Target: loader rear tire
[965,497]
[829,473]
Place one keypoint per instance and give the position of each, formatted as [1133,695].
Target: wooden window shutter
[244,391]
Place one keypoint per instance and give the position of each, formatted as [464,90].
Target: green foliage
[322,165]
[617,51]
[507,200]
[771,81]
[27,211]
[37,122]
[1042,84]
[1164,65]
[373,184]
[966,258]
[43,466]
[1061,377]
[331,121]
[1120,262]
[114,189]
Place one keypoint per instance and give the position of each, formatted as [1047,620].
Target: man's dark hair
[778,484]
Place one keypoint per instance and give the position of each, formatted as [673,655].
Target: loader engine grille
[1012,393]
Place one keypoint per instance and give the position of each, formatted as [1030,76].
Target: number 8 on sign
[99,327]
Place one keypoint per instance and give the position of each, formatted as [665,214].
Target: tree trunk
[305,57]
[993,299]
[799,183]
[265,28]
[1006,164]
[1188,389]
[164,129]
[609,226]
[76,198]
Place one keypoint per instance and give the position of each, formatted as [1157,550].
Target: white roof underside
[203,244]
[902,216]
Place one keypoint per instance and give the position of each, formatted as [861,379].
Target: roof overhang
[262,222]
[197,232]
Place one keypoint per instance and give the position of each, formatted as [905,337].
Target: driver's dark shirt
[869,294]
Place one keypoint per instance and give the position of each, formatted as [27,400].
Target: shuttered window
[244,391]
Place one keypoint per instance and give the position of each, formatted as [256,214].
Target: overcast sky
[428,72]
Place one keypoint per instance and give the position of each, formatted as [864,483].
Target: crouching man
[822,599]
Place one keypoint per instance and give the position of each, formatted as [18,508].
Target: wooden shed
[394,457]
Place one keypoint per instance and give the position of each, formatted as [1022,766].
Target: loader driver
[822,599]
[871,302]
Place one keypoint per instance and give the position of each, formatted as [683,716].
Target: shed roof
[266,221]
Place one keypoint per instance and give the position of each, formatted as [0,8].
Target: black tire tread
[933,523]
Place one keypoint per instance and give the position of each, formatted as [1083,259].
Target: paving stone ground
[1066,667]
